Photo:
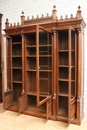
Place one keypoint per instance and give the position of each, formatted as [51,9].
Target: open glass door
[6,69]
[44,65]
[72,74]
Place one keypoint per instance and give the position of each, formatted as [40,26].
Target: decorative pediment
[45,19]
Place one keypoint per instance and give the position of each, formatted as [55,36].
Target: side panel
[6,72]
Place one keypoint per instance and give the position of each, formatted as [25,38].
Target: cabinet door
[22,103]
[49,106]
[7,77]
[44,65]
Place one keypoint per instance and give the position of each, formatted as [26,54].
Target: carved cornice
[77,21]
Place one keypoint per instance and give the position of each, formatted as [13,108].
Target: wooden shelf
[63,80]
[45,56]
[63,66]
[16,67]
[43,79]
[29,56]
[31,46]
[72,50]
[45,45]
[16,56]
[63,51]
[45,70]
[63,94]
[31,70]
[16,43]
[20,82]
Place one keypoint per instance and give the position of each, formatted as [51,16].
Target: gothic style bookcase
[44,63]
[0,59]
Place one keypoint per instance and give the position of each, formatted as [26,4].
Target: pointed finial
[7,23]
[54,7]
[17,23]
[54,13]
[28,18]
[71,16]
[22,12]
[22,17]
[66,17]
[37,17]
[47,15]
[79,8]
[14,24]
[61,17]
[11,25]
[79,13]
[32,17]
[42,16]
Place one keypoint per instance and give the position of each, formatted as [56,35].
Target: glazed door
[44,65]
[7,77]
[67,67]
[72,44]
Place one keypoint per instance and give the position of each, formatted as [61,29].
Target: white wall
[12,9]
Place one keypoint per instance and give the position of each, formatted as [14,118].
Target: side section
[6,72]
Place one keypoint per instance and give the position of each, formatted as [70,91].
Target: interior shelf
[63,51]
[30,46]
[63,66]
[20,82]
[14,43]
[30,56]
[63,79]
[31,70]
[16,56]
[16,67]
[63,94]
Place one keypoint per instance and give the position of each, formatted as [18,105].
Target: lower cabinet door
[49,108]
[23,103]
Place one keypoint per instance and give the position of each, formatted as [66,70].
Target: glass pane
[45,63]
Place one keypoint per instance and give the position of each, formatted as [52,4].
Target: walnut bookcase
[45,67]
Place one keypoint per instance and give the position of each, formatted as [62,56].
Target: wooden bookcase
[44,67]
[0,59]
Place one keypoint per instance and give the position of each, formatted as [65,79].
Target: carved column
[23,73]
[80,89]
[54,73]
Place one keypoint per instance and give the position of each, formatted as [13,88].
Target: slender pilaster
[54,73]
